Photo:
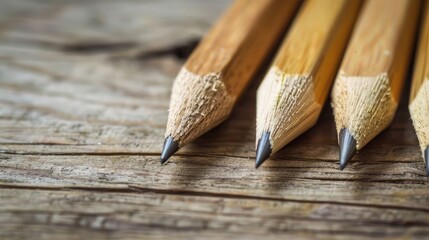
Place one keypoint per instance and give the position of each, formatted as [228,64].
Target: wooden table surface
[84,93]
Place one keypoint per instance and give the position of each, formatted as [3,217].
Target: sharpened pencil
[368,86]
[293,92]
[217,72]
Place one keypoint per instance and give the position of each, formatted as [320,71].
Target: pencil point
[427,160]
[263,151]
[347,147]
[170,147]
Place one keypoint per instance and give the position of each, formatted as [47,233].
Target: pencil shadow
[306,157]
[188,170]
[381,158]
[235,136]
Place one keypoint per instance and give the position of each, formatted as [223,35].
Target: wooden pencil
[419,95]
[295,89]
[216,73]
[368,86]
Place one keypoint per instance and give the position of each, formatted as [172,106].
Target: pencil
[293,92]
[216,73]
[368,86]
[419,95]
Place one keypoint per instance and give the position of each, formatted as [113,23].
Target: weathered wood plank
[373,182]
[130,214]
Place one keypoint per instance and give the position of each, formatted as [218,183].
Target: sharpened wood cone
[347,147]
[170,147]
[263,150]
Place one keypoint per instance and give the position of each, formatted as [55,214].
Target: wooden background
[84,92]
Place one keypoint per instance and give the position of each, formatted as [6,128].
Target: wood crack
[182,192]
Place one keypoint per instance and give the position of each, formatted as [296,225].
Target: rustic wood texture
[84,92]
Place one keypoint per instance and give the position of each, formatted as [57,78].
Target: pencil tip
[263,151]
[427,160]
[347,147]
[170,147]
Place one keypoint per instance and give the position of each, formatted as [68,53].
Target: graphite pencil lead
[263,150]
[347,147]
[170,147]
[427,160]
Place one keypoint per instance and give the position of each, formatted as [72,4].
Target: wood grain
[134,214]
[81,131]
[382,42]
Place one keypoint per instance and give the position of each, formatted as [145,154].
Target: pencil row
[362,48]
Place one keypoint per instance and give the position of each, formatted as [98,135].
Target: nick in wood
[217,72]
[293,92]
[419,96]
[368,86]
